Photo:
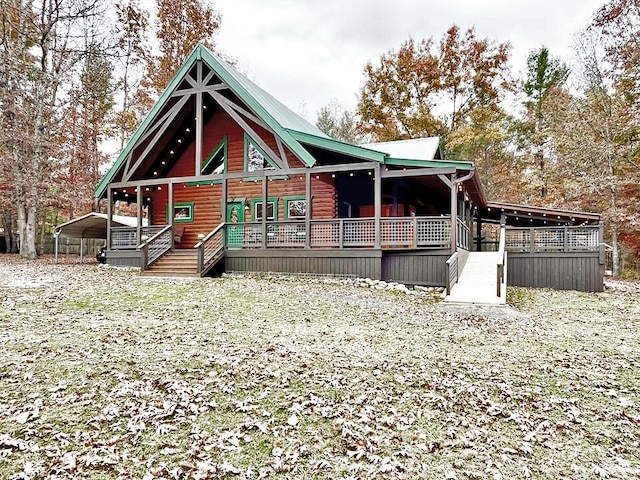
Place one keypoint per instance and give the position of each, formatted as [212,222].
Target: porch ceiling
[523,215]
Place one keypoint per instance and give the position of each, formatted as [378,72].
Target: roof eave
[338,146]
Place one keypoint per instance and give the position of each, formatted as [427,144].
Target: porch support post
[170,209]
[139,224]
[478,233]
[307,213]
[377,200]
[265,210]
[109,214]
[199,119]
[223,212]
[55,237]
[454,214]
[394,193]
[81,250]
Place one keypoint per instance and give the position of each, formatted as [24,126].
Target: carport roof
[93,225]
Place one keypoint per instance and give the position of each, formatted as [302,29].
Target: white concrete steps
[478,282]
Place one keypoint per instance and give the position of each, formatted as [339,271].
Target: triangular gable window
[254,157]
[216,162]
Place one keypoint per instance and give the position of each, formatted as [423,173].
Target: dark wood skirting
[124,258]
[560,271]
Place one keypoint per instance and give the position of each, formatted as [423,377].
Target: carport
[91,225]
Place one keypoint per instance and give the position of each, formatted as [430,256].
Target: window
[255,159]
[182,212]
[256,209]
[216,161]
[295,208]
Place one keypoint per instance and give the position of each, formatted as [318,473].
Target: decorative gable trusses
[204,77]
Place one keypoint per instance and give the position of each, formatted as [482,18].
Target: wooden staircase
[178,263]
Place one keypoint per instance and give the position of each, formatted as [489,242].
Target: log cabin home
[224,177]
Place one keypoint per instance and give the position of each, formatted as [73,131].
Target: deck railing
[501,277]
[463,234]
[553,239]
[125,238]
[396,232]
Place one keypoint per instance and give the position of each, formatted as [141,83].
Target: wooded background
[78,76]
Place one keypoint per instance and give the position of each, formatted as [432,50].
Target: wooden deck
[413,250]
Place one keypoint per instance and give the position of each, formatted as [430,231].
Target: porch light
[159,188]
[517,212]
[171,152]
[317,177]
[187,129]
[155,173]
[179,140]
[204,107]
[351,174]
[162,162]
[369,172]
[146,189]
[201,236]
[333,175]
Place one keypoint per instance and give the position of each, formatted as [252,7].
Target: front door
[235,233]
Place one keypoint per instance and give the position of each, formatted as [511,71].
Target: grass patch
[105,374]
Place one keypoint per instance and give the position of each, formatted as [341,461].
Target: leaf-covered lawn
[105,374]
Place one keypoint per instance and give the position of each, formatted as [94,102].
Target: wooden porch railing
[211,248]
[156,246]
[396,232]
[463,234]
[125,238]
[553,239]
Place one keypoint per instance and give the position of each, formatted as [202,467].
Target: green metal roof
[329,143]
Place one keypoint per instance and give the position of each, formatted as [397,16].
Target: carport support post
[478,232]
[81,249]
[55,237]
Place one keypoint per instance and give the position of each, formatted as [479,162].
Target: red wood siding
[207,198]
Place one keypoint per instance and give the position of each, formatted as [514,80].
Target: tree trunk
[27,223]
[616,251]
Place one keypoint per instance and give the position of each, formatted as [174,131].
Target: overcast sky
[305,52]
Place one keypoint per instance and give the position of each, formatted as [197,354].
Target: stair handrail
[158,245]
[210,247]
[502,262]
